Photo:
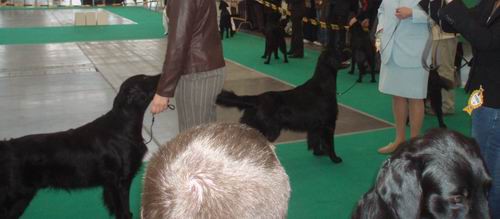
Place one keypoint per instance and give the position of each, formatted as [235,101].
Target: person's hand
[365,23]
[352,21]
[403,13]
[159,104]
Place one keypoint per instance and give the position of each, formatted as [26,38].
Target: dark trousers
[297,44]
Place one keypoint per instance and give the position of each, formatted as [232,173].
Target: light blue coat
[405,44]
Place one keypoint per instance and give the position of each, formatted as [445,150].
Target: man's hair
[220,170]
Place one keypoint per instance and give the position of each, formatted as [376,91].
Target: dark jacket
[484,37]
[194,43]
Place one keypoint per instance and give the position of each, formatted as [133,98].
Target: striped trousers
[195,97]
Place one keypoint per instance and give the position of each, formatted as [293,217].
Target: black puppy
[275,37]
[440,175]
[225,21]
[106,152]
[435,85]
[311,107]
[363,51]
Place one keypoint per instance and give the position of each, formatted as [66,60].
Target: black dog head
[332,59]
[136,92]
[440,175]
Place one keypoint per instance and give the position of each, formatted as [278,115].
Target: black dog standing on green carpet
[106,152]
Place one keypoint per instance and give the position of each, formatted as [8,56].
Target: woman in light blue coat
[403,26]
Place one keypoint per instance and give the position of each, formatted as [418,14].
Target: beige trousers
[445,54]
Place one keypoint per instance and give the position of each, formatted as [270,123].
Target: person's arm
[480,37]
[431,8]
[180,27]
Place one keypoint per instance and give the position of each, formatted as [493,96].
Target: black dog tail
[230,99]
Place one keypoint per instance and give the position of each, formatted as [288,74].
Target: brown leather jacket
[194,43]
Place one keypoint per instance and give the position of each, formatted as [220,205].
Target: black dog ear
[136,95]
[398,185]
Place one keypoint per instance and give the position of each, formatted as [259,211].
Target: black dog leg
[371,62]
[353,63]
[117,201]
[362,71]
[436,104]
[18,204]
[283,50]
[314,141]
[276,53]
[328,144]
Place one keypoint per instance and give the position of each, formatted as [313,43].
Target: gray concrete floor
[54,87]
[51,18]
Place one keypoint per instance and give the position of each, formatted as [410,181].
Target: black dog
[363,52]
[311,107]
[106,152]
[435,85]
[275,37]
[225,21]
[440,176]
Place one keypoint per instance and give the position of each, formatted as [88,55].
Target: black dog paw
[350,72]
[286,61]
[359,81]
[318,153]
[336,159]
[373,81]
[266,63]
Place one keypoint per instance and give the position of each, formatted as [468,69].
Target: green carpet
[320,189]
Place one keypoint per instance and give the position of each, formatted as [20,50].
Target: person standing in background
[480,26]
[297,9]
[321,36]
[193,66]
[444,48]
[310,29]
[402,75]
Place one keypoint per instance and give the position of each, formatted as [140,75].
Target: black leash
[170,106]
[344,92]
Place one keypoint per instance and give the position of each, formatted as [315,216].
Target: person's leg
[446,59]
[195,98]
[416,113]
[400,111]
[486,131]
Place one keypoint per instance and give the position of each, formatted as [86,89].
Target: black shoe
[296,56]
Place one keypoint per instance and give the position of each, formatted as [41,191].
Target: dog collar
[475,100]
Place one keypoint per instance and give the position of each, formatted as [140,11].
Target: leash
[170,106]
[344,92]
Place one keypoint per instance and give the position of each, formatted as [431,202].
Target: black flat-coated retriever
[225,21]
[106,152]
[363,52]
[311,107]
[435,85]
[438,176]
[275,37]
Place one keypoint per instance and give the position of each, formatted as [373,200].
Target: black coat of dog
[225,21]
[106,152]
[363,52]
[438,176]
[435,85]
[275,37]
[311,107]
